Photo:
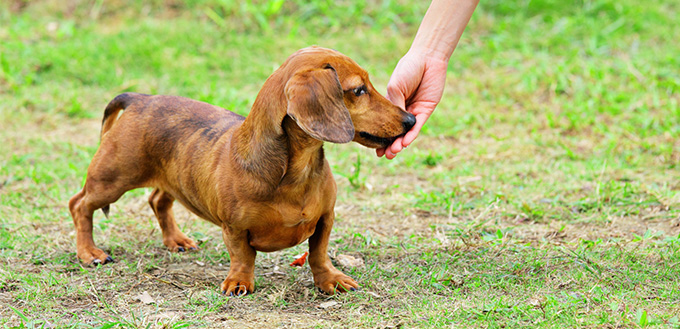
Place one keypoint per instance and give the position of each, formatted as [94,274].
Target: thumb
[396,96]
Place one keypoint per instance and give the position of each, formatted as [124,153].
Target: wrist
[428,55]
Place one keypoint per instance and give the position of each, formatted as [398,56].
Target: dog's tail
[118,104]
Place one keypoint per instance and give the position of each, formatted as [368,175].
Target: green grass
[544,191]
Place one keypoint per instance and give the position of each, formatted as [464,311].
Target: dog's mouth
[382,141]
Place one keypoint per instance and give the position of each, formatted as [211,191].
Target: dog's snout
[409,121]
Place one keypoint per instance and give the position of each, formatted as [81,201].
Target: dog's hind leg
[94,195]
[161,203]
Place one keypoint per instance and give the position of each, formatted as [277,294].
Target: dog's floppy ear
[315,102]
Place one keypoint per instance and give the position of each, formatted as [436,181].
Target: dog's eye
[359,91]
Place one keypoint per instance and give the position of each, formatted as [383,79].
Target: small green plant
[432,159]
[641,317]
[356,181]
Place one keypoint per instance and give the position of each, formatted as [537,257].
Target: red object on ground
[300,261]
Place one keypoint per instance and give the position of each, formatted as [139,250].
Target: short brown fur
[263,179]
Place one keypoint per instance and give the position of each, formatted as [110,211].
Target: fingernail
[180,249]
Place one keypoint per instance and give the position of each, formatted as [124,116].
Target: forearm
[442,26]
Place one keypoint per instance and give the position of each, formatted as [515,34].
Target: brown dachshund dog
[263,179]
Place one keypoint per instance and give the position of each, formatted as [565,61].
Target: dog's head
[331,98]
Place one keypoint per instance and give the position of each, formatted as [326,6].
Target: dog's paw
[237,288]
[335,281]
[94,257]
[179,243]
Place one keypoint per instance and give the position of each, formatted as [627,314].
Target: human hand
[416,85]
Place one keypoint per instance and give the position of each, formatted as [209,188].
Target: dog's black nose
[409,121]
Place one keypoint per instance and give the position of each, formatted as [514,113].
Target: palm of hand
[416,85]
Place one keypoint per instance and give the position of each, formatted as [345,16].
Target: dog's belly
[278,238]
[195,209]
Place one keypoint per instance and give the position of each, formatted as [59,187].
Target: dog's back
[171,118]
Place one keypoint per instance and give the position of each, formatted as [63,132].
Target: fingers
[392,150]
[386,152]
[389,155]
[413,133]
[397,97]
[401,143]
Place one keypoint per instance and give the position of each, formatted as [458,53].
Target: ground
[544,191]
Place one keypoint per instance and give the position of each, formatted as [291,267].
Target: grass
[544,191]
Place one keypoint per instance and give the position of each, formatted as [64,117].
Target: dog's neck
[271,147]
[305,154]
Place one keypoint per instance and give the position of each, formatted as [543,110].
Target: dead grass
[544,191]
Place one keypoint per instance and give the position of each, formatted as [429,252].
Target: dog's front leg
[241,278]
[326,276]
